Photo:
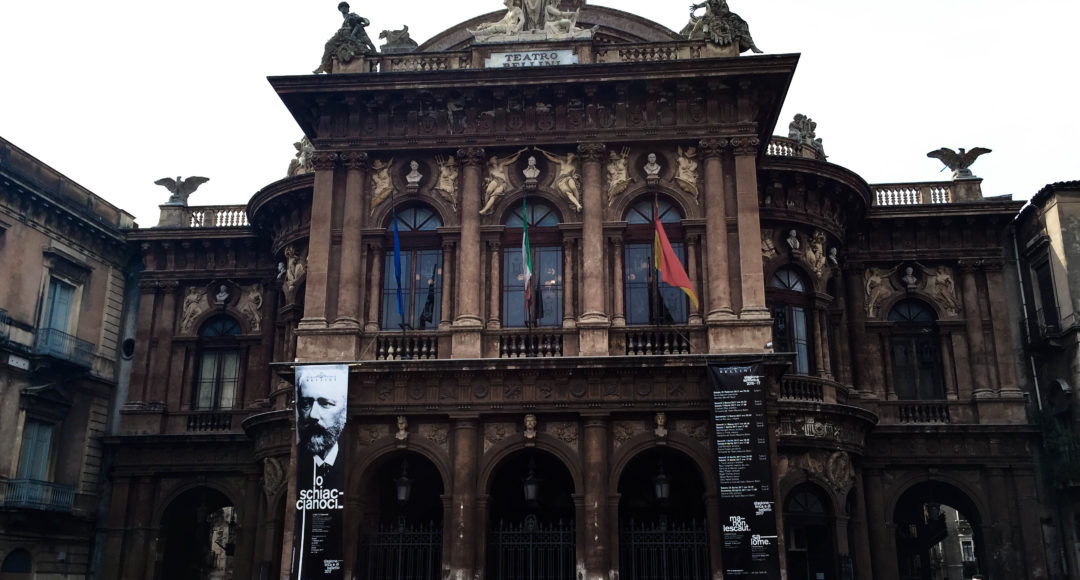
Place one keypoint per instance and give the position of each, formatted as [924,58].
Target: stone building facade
[879,312]
[62,306]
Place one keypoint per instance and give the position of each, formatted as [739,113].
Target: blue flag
[397,271]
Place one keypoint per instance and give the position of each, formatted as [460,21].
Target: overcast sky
[117,94]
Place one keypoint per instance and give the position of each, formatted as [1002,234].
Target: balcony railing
[657,340]
[198,422]
[37,495]
[924,413]
[785,147]
[930,192]
[812,390]
[521,343]
[407,346]
[61,345]
[217,216]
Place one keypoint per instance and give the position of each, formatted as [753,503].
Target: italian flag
[526,257]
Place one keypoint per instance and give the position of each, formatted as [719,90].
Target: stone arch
[896,298]
[684,444]
[366,459]
[797,476]
[177,488]
[906,482]
[688,207]
[228,311]
[498,454]
[18,563]
[382,215]
[512,201]
[197,533]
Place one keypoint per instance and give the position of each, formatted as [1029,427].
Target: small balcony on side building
[31,494]
[62,347]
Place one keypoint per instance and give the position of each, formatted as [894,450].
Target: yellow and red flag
[667,263]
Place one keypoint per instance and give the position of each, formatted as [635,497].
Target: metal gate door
[405,552]
[663,551]
[532,551]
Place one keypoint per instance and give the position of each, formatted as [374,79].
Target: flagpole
[397,274]
[654,288]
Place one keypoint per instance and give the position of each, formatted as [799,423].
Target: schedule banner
[321,401]
[747,515]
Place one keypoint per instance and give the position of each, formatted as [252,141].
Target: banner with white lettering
[747,515]
[321,409]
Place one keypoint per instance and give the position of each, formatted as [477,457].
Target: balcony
[63,347]
[199,422]
[37,495]
[930,192]
[812,390]
[530,342]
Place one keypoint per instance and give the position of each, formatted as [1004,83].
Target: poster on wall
[747,516]
[321,397]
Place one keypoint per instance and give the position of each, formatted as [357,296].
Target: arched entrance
[531,524]
[662,518]
[808,519]
[401,537]
[17,565]
[938,533]
[197,537]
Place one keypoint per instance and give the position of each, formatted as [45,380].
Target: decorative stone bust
[530,426]
[661,425]
[222,296]
[402,428]
[793,240]
[652,168]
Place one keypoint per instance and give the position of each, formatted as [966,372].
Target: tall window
[916,355]
[34,455]
[421,272]
[57,313]
[1047,297]
[546,287]
[219,364]
[648,299]
[787,297]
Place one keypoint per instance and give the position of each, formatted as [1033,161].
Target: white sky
[116,94]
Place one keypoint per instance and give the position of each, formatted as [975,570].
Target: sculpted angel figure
[815,252]
[497,181]
[381,187]
[251,303]
[446,186]
[567,180]
[940,284]
[194,302]
[686,174]
[301,164]
[295,273]
[617,173]
[511,22]
[877,286]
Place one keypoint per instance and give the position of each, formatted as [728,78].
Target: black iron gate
[532,551]
[664,551]
[404,552]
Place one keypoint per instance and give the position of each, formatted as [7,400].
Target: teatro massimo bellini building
[576,440]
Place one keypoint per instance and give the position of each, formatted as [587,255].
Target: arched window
[420,273]
[17,562]
[545,252]
[916,354]
[648,299]
[809,535]
[787,298]
[219,364]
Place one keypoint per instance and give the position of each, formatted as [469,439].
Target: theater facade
[577,437]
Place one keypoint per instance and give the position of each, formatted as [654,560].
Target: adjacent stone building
[488,441]
[67,266]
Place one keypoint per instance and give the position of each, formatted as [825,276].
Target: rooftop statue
[958,162]
[533,20]
[512,23]
[301,164]
[397,41]
[349,42]
[719,25]
[181,188]
[802,131]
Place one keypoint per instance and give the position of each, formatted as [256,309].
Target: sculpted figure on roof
[719,25]
[349,42]
[511,23]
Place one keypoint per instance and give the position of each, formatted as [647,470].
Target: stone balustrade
[785,147]
[407,346]
[530,343]
[652,340]
[931,192]
[203,421]
[812,390]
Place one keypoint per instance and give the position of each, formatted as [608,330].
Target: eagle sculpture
[180,188]
[958,162]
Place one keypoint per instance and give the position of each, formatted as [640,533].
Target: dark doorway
[808,525]
[403,540]
[531,527]
[198,537]
[938,533]
[662,525]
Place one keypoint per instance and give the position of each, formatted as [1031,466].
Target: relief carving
[436,433]
[940,285]
[696,430]
[496,432]
[273,476]
[624,430]
[372,433]
[815,253]
[194,305]
[768,247]
[250,305]
[618,173]
[566,431]
[381,185]
[446,186]
[497,182]
[295,273]
[686,173]
[878,286]
[567,180]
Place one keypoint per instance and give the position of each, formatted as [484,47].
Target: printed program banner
[750,550]
[321,410]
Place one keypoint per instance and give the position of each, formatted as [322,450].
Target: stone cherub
[497,181]
[720,26]
[180,188]
[349,42]
[958,162]
[567,180]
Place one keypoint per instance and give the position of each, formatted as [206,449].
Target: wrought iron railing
[209,422]
[532,550]
[530,343]
[929,192]
[665,551]
[38,495]
[407,346]
[645,340]
[61,345]
[217,216]
[404,552]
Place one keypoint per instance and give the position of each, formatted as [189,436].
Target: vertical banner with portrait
[747,511]
[321,409]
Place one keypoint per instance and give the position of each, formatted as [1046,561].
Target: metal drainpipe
[1024,314]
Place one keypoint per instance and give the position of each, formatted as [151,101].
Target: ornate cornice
[324,160]
[592,151]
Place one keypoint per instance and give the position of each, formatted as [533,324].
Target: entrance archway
[808,525]
[531,524]
[938,533]
[198,536]
[663,533]
[402,534]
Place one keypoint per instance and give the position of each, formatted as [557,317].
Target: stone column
[597,557]
[716,234]
[618,306]
[973,323]
[463,527]
[569,319]
[862,545]
[467,323]
[882,542]
[374,321]
[1000,549]
[856,297]
[692,273]
[350,282]
[749,220]
[999,318]
[447,285]
[594,323]
[1025,485]
[319,240]
[495,286]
